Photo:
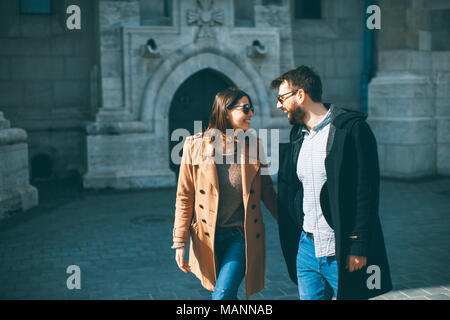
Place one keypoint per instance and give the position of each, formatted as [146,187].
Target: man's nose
[279,105]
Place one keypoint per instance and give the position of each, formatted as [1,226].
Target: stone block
[348,67]
[424,40]
[71,93]
[112,98]
[24,47]
[443,107]
[113,15]
[11,94]
[38,95]
[351,9]
[15,192]
[443,130]
[78,68]
[384,106]
[440,61]
[344,88]
[408,161]
[35,26]
[405,60]
[394,39]
[404,131]
[37,68]
[62,45]
[5,68]
[401,85]
[111,63]
[348,48]
[443,159]
[127,161]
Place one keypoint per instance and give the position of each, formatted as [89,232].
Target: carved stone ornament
[205,17]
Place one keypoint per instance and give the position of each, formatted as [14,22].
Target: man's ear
[300,96]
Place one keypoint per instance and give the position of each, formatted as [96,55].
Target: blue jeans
[317,277]
[230,256]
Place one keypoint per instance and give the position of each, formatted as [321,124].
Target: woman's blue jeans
[317,277]
[230,256]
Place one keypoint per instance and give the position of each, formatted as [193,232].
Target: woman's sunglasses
[246,108]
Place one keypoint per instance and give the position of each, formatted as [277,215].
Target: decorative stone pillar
[16,194]
[401,114]
[402,106]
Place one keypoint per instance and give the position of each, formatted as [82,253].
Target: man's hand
[355,263]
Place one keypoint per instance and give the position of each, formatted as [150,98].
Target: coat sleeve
[268,194]
[367,187]
[184,204]
[288,230]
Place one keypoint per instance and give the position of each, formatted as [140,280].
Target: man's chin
[291,119]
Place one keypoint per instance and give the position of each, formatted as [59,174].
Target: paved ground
[121,240]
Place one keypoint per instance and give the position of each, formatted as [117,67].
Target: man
[328,194]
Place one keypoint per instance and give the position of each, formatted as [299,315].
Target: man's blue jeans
[230,256]
[317,277]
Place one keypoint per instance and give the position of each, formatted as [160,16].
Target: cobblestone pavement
[121,242]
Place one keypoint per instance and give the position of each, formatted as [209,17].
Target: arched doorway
[193,101]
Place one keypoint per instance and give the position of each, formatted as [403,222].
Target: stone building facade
[103,101]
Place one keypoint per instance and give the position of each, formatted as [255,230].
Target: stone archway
[163,83]
[192,102]
[181,65]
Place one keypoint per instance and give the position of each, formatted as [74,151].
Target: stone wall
[45,79]
[333,46]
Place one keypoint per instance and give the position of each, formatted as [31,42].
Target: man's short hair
[304,78]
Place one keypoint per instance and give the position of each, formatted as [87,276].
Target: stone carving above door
[205,17]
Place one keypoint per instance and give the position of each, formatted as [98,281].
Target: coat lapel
[248,171]
[249,168]
[208,162]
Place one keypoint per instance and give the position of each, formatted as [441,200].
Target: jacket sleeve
[185,196]
[367,187]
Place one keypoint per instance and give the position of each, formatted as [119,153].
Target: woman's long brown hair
[225,98]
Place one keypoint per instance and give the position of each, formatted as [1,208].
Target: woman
[218,202]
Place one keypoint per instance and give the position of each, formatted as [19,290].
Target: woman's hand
[179,258]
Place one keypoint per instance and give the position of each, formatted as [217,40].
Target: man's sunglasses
[281,97]
[246,108]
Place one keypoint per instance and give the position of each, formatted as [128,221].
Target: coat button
[252,191]
[254,206]
[200,206]
[203,220]
[202,191]
[257,236]
[256,220]
[207,234]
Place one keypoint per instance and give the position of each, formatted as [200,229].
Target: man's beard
[297,116]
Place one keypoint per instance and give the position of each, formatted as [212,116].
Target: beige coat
[197,206]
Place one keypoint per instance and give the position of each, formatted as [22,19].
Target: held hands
[355,263]
[179,258]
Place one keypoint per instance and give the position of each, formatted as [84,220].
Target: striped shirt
[312,174]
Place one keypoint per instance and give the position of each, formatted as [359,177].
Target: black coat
[349,201]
